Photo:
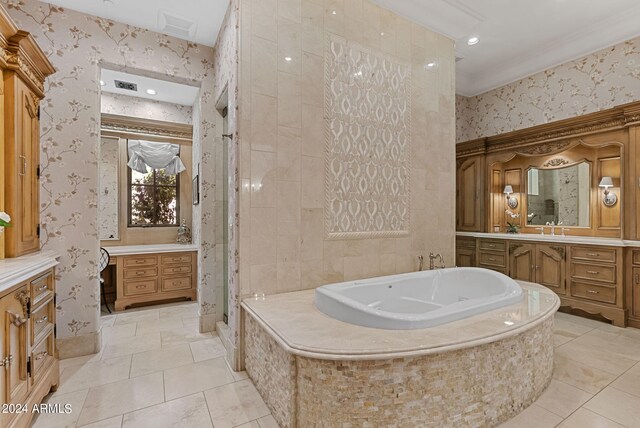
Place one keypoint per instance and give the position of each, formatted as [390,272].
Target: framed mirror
[559,195]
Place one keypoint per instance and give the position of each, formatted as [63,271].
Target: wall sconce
[610,198]
[512,201]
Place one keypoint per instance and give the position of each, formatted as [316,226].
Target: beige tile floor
[155,370]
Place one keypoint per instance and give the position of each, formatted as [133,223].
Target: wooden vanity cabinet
[24,68]
[633,286]
[144,278]
[492,254]
[470,191]
[30,368]
[540,263]
[465,252]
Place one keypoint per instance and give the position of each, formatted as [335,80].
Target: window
[154,198]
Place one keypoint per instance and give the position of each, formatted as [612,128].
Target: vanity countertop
[13,271]
[128,250]
[567,239]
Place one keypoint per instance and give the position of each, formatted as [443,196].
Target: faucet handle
[541,229]
[563,230]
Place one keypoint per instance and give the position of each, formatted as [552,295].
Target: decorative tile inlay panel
[368,133]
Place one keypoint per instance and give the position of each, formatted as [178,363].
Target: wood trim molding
[20,53]
[147,129]
[530,140]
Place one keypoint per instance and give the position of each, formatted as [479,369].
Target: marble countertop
[127,250]
[13,271]
[567,239]
[300,328]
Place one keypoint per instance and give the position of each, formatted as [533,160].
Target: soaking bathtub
[417,299]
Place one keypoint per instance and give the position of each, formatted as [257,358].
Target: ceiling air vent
[126,85]
[176,25]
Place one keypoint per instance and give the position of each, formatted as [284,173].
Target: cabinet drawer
[492,245]
[596,254]
[135,288]
[40,320]
[175,270]
[41,288]
[182,283]
[466,243]
[595,292]
[593,272]
[42,355]
[140,261]
[140,273]
[636,257]
[492,259]
[176,258]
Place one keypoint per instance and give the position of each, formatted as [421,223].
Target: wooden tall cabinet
[24,68]
[470,191]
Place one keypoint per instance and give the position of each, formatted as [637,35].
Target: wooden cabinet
[154,277]
[522,261]
[465,252]
[492,254]
[27,346]
[470,194]
[540,263]
[24,68]
[633,286]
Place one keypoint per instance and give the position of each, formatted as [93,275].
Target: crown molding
[147,129]
[528,140]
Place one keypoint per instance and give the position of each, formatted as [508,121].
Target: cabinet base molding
[633,322]
[78,346]
[617,316]
[49,383]
[124,302]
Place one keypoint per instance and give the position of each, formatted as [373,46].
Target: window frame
[154,185]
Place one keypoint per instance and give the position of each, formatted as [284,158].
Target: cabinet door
[22,131]
[521,261]
[635,293]
[550,267]
[469,194]
[14,336]
[465,257]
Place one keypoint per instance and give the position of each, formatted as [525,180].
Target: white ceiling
[206,15]
[170,92]
[520,37]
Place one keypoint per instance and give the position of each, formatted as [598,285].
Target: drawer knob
[593,292]
[42,287]
[41,355]
[140,286]
[593,254]
[140,273]
[593,272]
[491,259]
[43,319]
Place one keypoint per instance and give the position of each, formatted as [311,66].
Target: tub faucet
[432,258]
[421,260]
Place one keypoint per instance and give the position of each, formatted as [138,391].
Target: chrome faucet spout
[432,259]
[421,264]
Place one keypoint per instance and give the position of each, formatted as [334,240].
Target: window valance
[155,155]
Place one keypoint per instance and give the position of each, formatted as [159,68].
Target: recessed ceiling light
[102,83]
[333,12]
[287,58]
[151,91]
[431,65]
[473,41]
[382,33]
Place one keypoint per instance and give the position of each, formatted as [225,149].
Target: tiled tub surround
[479,371]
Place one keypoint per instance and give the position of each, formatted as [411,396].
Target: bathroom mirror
[108,204]
[559,195]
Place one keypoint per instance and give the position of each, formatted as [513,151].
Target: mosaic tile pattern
[368,130]
[480,386]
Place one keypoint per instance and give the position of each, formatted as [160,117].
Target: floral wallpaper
[79,45]
[141,107]
[596,82]
[108,193]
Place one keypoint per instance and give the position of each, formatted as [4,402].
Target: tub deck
[301,329]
